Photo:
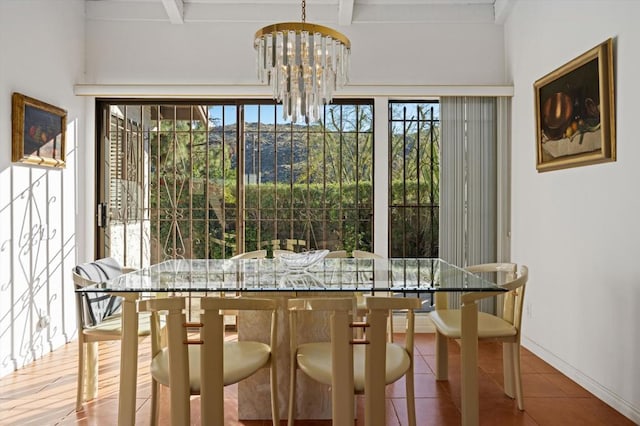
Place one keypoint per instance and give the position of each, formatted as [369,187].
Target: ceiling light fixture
[303,63]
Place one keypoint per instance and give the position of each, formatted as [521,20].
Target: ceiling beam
[323,13]
[345,12]
[175,10]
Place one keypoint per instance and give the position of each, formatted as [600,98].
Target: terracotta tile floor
[44,393]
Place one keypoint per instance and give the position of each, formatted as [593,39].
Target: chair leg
[275,409]
[390,327]
[91,370]
[292,394]
[508,369]
[411,399]
[155,394]
[80,387]
[517,375]
[442,356]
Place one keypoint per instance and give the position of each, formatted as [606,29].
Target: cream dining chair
[203,365]
[354,366]
[279,252]
[361,254]
[256,254]
[336,254]
[505,328]
[98,317]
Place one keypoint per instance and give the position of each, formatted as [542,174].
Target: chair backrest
[279,252]
[341,344]
[360,254]
[95,307]
[498,272]
[336,254]
[211,341]
[509,269]
[513,300]
[256,254]
[379,309]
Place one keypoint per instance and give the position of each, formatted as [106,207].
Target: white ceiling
[340,12]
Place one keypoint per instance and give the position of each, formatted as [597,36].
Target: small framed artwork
[38,132]
[575,117]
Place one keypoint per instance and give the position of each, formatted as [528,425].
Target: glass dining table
[303,275]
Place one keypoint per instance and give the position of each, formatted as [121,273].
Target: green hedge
[324,216]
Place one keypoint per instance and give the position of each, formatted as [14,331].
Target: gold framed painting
[38,132]
[575,117]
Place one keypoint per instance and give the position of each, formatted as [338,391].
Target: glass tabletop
[424,275]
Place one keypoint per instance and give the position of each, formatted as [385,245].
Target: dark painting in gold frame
[575,117]
[38,132]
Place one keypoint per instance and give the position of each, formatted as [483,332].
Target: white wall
[42,45]
[136,52]
[578,228]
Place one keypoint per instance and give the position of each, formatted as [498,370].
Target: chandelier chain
[304,11]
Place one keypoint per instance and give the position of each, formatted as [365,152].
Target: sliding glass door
[211,179]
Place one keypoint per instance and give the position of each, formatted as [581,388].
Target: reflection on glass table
[335,274]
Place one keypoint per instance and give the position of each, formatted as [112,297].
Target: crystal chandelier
[303,63]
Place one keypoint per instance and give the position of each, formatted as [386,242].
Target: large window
[308,186]
[414,167]
[207,180]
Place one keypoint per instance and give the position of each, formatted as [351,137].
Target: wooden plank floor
[44,393]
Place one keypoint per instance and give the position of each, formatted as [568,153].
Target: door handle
[102,215]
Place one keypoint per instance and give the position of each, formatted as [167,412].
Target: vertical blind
[468,183]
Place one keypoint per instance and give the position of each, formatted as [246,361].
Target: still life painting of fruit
[574,112]
[38,132]
[42,133]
